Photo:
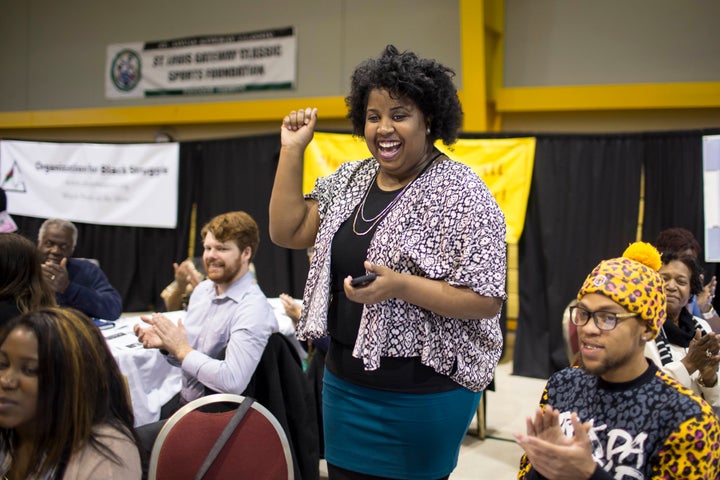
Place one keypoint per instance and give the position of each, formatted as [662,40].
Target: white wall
[597,42]
[53,52]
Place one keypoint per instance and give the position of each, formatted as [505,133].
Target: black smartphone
[363,280]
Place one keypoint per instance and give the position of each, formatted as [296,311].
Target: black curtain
[674,188]
[218,176]
[135,260]
[583,207]
[237,174]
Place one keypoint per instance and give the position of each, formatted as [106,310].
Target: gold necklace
[376,219]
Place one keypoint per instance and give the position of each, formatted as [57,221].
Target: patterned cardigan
[446,226]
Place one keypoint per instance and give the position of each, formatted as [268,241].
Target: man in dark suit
[78,283]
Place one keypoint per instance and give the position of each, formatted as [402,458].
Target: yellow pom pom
[644,253]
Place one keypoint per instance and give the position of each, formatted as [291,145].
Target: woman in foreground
[64,409]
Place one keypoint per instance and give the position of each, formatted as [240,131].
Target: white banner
[711,192]
[133,185]
[211,64]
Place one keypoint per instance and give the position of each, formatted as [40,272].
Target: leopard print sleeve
[692,450]
[526,471]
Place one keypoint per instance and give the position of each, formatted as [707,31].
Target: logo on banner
[202,65]
[13,181]
[125,70]
[102,184]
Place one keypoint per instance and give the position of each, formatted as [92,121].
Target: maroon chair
[570,336]
[257,449]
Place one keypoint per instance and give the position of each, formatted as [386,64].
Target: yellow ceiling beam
[472,58]
[179,114]
[609,97]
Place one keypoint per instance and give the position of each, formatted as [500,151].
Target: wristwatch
[710,314]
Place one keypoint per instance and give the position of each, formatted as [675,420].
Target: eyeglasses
[603,320]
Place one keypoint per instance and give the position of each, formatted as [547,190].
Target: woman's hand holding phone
[371,288]
[363,280]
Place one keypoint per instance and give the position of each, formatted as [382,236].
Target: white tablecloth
[152,380]
[286,325]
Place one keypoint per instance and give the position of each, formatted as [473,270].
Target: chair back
[280,385]
[570,336]
[257,449]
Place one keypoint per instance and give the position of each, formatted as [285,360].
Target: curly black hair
[677,240]
[425,82]
[691,263]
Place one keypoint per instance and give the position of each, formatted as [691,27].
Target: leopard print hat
[632,281]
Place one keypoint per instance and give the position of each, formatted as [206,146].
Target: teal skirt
[394,435]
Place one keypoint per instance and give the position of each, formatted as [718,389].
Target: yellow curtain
[505,165]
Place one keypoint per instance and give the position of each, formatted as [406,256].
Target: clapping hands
[552,453]
[703,355]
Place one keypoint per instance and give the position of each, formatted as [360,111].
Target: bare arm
[172,296]
[294,221]
[435,295]
[186,279]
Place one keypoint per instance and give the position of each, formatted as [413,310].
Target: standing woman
[64,408]
[686,348]
[22,284]
[411,351]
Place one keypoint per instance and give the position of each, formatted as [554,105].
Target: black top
[349,251]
